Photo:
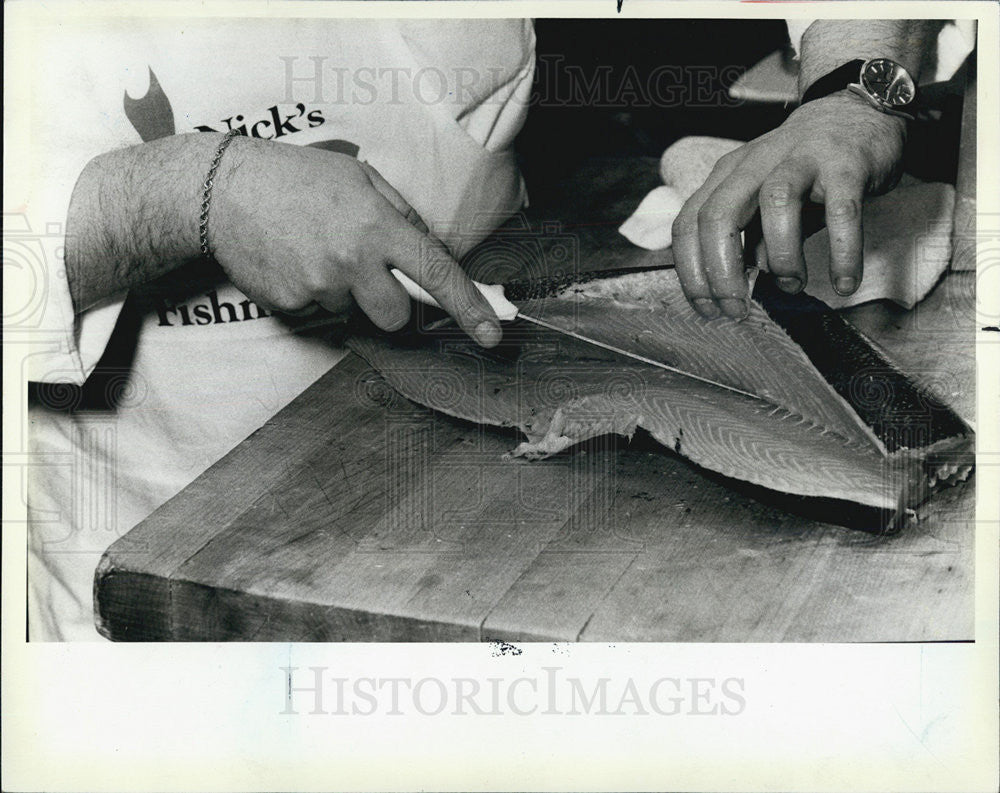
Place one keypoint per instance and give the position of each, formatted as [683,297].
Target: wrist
[164,187]
[208,186]
[881,82]
[850,102]
[134,215]
[830,43]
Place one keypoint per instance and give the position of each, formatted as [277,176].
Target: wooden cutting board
[355,515]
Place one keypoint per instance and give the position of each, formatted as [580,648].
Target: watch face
[888,81]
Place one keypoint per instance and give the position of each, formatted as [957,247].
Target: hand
[833,151]
[294,226]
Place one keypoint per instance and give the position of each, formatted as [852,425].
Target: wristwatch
[886,85]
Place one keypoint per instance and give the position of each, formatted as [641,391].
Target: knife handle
[502,307]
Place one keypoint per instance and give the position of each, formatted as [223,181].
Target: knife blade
[506,311]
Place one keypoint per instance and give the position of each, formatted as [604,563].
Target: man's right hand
[292,226]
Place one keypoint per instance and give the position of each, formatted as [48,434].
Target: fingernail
[488,333]
[706,308]
[845,285]
[790,284]
[734,307]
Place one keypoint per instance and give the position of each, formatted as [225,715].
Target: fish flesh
[768,416]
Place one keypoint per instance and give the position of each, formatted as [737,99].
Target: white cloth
[907,247]
[434,106]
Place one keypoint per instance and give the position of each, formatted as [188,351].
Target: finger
[392,195]
[686,246]
[687,261]
[427,261]
[781,199]
[721,218]
[381,297]
[843,196]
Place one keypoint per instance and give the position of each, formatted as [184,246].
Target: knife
[507,312]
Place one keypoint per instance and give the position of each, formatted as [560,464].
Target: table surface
[355,515]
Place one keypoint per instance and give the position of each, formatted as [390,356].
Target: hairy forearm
[829,43]
[134,215]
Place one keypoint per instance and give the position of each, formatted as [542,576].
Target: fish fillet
[796,434]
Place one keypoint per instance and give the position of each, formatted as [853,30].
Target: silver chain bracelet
[206,195]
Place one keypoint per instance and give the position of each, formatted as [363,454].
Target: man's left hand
[833,151]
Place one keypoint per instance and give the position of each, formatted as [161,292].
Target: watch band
[855,75]
[834,81]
